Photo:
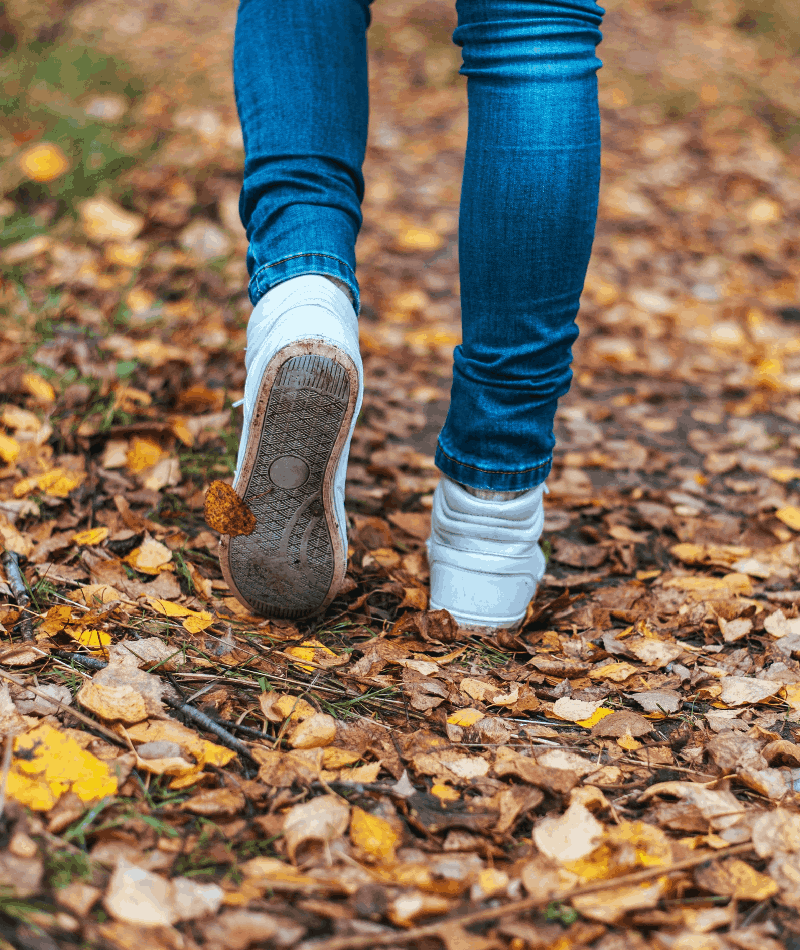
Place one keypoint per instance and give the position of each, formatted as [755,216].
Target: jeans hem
[269,275]
[474,476]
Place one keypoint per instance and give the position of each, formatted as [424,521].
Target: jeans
[528,197]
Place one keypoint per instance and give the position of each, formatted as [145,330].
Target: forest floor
[624,771]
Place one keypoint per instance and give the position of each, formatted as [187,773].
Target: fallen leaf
[575,709]
[104,220]
[122,691]
[91,537]
[316,731]
[138,896]
[569,837]
[47,764]
[150,558]
[736,879]
[744,690]
[225,511]
[43,162]
[373,836]
[319,821]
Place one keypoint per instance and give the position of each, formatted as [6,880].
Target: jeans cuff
[268,275]
[491,479]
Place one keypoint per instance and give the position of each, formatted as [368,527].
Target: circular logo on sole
[288,471]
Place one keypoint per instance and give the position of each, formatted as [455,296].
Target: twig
[107,733]
[398,938]
[91,662]
[206,722]
[20,592]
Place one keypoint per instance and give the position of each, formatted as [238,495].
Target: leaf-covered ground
[623,772]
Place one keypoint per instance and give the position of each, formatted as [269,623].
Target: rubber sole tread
[285,568]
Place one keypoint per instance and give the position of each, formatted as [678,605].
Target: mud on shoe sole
[294,562]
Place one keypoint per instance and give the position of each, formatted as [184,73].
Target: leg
[300,71]
[300,77]
[528,210]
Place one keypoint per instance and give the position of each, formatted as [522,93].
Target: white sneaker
[484,556]
[301,400]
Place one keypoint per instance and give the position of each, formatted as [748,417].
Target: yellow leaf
[465,717]
[445,793]
[38,387]
[616,672]
[308,650]
[334,758]
[793,696]
[94,594]
[198,621]
[151,558]
[784,474]
[182,431]
[203,752]
[91,537]
[9,448]
[419,239]
[168,609]
[43,162]
[142,454]
[596,716]
[95,640]
[47,764]
[59,482]
[790,516]
[293,707]
[315,732]
[629,743]
[374,836]
[54,621]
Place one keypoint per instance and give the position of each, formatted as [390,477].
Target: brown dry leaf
[312,733]
[104,220]
[241,929]
[575,710]
[736,879]
[192,746]
[776,831]
[214,802]
[720,808]
[122,691]
[225,511]
[137,896]
[572,836]
[319,821]
[658,701]
[622,723]
[744,690]
[151,558]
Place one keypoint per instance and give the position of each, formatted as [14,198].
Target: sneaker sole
[294,562]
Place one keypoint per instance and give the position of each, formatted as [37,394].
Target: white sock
[488,495]
[342,286]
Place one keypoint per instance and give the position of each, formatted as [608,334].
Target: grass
[42,85]
[66,867]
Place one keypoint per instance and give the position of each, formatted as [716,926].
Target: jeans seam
[257,275]
[491,471]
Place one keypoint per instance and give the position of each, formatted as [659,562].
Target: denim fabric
[528,198]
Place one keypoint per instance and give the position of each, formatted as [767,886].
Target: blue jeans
[528,197]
